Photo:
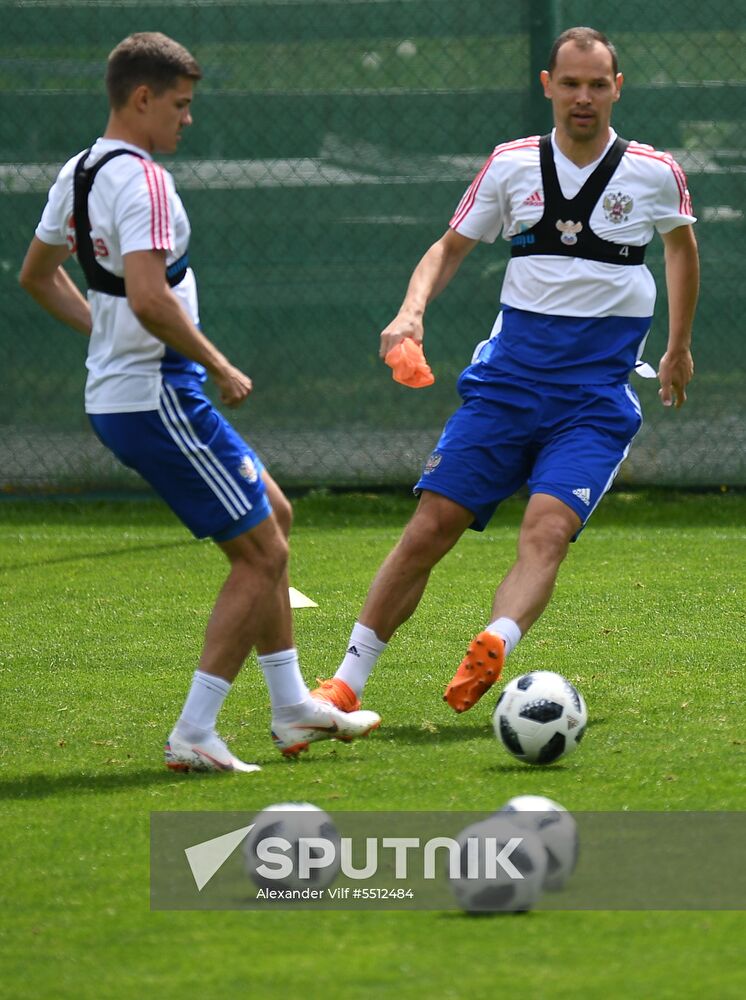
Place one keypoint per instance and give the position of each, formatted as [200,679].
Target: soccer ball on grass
[556,829]
[540,717]
[486,887]
[283,850]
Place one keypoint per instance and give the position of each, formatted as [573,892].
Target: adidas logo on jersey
[583,494]
[537,198]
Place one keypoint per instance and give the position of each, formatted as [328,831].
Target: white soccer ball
[484,886]
[556,829]
[539,717]
[289,845]
[406,49]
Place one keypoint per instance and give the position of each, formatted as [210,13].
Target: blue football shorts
[564,440]
[194,460]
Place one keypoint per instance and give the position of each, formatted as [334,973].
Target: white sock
[204,701]
[282,674]
[507,629]
[362,654]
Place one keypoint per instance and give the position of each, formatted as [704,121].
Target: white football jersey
[647,193]
[133,205]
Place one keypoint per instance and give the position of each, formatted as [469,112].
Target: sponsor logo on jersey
[247,470]
[617,207]
[100,248]
[432,463]
[583,494]
[70,239]
[537,198]
[523,240]
[569,231]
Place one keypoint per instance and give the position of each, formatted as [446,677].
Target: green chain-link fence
[332,140]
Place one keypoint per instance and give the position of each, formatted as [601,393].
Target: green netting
[331,142]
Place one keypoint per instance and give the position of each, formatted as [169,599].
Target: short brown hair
[584,38]
[151,58]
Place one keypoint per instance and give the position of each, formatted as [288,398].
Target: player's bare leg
[253,611]
[547,528]
[250,601]
[397,588]
[546,531]
[281,506]
[251,608]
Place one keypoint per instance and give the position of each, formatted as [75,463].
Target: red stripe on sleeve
[149,182]
[685,201]
[470,196]
[160,223]
[166,243]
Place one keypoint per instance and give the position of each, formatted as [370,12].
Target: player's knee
[277,558]
[547,538]
[270,563]
[433,531]
[266,557]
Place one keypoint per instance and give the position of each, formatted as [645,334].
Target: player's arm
[46,280]
[682,283]
[160,312]
[428,280]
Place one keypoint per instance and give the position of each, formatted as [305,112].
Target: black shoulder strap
[594,187]
[547,235]
[97,277]
[550,181]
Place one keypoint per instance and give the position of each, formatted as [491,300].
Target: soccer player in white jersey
[147,362]
[546,400]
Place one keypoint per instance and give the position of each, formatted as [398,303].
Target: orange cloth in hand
[407,359]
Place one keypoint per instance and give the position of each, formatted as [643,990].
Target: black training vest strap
[564,229]
[97,277]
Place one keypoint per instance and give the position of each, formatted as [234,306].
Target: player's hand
[233,385]
[675,372]
[405,325]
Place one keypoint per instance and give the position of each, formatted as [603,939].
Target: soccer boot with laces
[477,672]
[208,754]
[319,720]
[338,693]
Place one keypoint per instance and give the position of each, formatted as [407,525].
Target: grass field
[104,605]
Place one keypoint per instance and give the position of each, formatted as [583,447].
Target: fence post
[542,30]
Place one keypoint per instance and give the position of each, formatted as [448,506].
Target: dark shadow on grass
[449,732]
[494,914]
[43,786]
[519,768]
[441,733]
[108,554]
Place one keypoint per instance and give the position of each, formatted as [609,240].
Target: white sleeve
[53,226]
[143,212]
[480,214]
[673,207]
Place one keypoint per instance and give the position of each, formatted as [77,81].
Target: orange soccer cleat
[477,672]
[337,693]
